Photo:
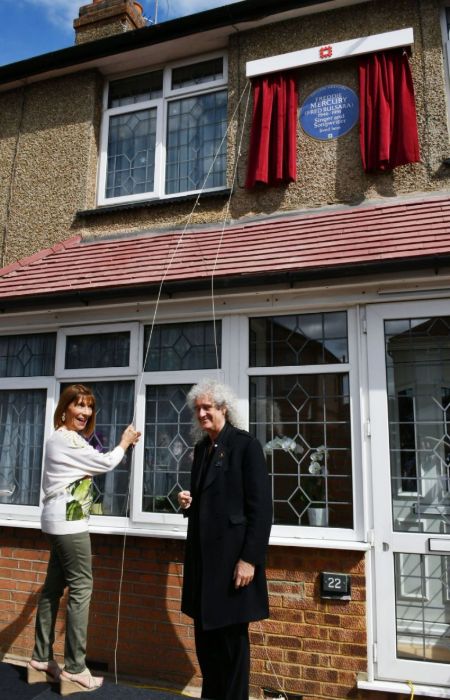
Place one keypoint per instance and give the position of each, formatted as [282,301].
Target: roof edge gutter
[227,15]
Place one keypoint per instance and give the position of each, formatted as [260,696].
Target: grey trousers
[70,564]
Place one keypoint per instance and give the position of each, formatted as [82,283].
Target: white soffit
[330,52]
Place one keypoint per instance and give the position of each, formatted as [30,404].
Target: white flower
[283,443]
[315,468]
[316,457]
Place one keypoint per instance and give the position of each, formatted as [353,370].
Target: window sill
[316,543]
[149,203]
[429,691]
[176,532]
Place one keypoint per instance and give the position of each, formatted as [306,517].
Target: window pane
[168,448]
[422,600]
[147,86]
[115,403]
[306,339]
[303,423]
[98,350]
[418,381]
[131,153]
[22,415]
[195,130]
[27,355]
[178,346]
[197,73]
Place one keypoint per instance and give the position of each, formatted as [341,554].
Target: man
[230,514]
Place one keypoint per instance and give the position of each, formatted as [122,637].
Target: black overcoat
[229,519]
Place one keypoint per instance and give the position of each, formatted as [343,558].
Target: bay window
[163,132]
[292,374]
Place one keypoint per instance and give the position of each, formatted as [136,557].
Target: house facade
[258,194]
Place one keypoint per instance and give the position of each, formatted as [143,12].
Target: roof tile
[326,240]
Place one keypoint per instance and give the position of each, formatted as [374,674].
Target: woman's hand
[130,436]
[184,499]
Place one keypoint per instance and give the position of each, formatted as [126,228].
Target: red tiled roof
[292,243]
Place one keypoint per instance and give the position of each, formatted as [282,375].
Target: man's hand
[243,574]
[184,499]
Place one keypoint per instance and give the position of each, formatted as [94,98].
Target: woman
[69,465]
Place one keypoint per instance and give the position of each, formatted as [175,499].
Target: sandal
[79,682]
[43,671]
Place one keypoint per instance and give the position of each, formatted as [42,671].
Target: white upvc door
[409,401]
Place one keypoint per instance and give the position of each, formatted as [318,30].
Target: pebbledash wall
[49,138]
[58,121]
[308,646]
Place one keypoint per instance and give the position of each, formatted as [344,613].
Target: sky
[32,27]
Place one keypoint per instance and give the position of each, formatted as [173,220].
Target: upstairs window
[163,132]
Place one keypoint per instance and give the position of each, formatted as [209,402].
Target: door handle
[385,547]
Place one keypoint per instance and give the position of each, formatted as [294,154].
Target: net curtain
[273,139]
[388,121]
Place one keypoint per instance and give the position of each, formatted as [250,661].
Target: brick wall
[310,647]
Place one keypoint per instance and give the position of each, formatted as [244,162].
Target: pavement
[14,686]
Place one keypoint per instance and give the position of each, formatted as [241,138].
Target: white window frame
[158,379]
[160,104]
[234,371]
[351,368]
[93,372]
[10,511]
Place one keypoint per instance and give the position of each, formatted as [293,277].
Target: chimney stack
[107,17]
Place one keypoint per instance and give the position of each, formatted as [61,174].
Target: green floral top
[79,499]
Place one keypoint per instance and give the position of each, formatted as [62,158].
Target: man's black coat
[229,519]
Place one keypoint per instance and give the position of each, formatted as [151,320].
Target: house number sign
[329,112]
[334,585]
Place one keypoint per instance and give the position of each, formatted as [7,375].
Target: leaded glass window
[302,339]
[418,385]
[131,153]
[138,88]
[27,355]
[197,73]
[177,346]
[303,423]
[163,132]
[196,150]
[168,447]
[421,606]
[95,350]
[114,404]
[22,418]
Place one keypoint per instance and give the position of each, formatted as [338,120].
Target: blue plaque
[329,112]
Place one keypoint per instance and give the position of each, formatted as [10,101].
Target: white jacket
[69,458]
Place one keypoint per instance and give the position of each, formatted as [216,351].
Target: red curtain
[388,123]
[273,140]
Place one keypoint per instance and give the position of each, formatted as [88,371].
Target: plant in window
[280,442]
[317,483]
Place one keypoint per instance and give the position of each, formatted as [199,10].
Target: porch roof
[345,241]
